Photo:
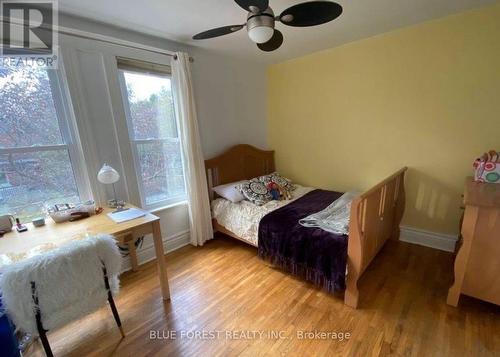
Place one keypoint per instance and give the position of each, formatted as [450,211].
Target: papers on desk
[127,215]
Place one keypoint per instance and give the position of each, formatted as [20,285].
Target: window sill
[164,208]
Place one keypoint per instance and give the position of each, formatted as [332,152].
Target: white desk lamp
[108,175]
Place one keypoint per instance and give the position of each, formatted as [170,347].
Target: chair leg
[45,343]
[39,325]
[115,313]
[112,302]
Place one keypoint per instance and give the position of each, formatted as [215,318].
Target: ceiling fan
[260,21]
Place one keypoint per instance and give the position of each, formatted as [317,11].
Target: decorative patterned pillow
[280,180]
[256,192]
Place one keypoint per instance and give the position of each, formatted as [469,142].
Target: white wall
[230,97]
[231,102]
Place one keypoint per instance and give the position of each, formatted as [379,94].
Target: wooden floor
[223,286]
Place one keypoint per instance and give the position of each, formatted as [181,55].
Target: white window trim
[67,126]
[160,205]
[69,131]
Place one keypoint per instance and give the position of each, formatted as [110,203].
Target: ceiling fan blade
[253,5]
[273,44]
[220,31]
[311,13]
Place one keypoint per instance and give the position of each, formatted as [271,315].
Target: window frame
[69,134]
[151,69]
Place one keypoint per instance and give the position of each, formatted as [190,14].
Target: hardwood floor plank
[224,286]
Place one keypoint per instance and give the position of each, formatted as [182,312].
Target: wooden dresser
[477,265]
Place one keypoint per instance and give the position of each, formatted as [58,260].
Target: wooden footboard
[375,218]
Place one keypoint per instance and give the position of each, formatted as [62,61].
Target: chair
[52,289]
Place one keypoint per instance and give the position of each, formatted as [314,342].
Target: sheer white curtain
[200,220]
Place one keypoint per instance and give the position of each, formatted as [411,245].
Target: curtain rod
[191,59]
[116,41]
[103,38]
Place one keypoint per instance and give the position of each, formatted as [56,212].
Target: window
[36,148]
[153,132]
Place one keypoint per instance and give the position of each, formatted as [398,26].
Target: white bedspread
[243,218]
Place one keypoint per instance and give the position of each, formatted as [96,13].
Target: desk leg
[160,258]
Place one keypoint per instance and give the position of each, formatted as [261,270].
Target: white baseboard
[147,253]
[434,240]
[445,242]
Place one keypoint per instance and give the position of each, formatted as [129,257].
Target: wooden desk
[17,246]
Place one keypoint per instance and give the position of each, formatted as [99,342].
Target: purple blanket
[312,253]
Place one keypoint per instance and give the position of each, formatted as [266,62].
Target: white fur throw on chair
[69,282]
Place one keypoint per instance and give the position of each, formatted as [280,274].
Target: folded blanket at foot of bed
[334,218]
[312,253]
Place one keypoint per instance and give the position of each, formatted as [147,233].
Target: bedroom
[343,106]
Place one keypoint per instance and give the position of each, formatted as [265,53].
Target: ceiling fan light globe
[260,34]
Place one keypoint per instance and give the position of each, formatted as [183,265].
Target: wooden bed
[375,214]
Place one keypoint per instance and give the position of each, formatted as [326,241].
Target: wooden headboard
[241,162]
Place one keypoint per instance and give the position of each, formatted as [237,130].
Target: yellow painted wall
[426,96]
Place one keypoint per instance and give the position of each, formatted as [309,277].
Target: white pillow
[230,191]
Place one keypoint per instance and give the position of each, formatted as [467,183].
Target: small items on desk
[75,216]
[70,212]
[126,215]
[38,222]
[6,223]
[20,227]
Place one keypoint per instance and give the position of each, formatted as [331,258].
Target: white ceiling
[180,19]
